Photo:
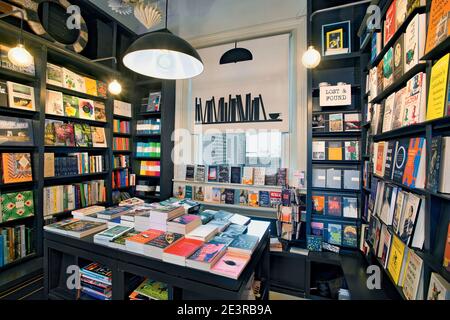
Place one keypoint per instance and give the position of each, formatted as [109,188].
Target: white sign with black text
[340,95]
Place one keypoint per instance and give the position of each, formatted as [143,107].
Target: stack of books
[96,281]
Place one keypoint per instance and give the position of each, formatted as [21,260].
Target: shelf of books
[153,127]
[406,229]
[123,179]
[19,116]
[335,144]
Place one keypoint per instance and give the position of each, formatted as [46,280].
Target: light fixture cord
[167,11]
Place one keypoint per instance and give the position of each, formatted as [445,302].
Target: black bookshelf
[437,205]
[166,114]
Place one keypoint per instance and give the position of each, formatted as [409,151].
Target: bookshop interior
[224,150]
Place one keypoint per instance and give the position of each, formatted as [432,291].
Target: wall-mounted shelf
[228,185]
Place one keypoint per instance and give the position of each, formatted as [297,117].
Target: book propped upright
[438,96]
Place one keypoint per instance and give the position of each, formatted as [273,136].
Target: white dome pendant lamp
[163,55]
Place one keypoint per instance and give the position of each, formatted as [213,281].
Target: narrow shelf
[438,51]
[18,185]
[122,151]
[148,177]
[337,191]
[80,176]
[148,158]
[119,117]
[338,162]
[16,221]
[11,75]
[422,192]
[18,261]
[338,61]
[401,82]
[237,207]
[443,196]
[400,30]
[149,114]
[77,149]
[4,148]
[229,185]
[17,112]
[148,135]
[322,217]
[122,188]
[66,212]
[121,134]
[337,134]
[75,93]
[121,168]
[77,120]
[234,122]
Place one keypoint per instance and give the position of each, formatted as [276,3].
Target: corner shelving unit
[437,205]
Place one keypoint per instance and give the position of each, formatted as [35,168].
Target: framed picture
[336,38]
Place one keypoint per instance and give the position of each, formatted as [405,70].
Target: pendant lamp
[236,55]
[163,55]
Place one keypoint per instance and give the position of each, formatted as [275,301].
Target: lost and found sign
[340,95]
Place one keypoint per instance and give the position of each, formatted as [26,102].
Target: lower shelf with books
[125,271]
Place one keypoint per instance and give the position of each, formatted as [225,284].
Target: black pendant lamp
[236,55]
[163,55]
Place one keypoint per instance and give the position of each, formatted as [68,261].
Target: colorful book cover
[400,158]
[334,206]
[336,122]
[146,236]
[16,131]
[350,237]
[102,89]
[317,228]
[318,203]
[275,199]
[253,200]
[351,150]
[350,207]
[395,261]
[447,251]
[86,109]
[437,98]
[244,242]
[50,135]
[314,243]
[99,137]
[264,199]
[411,173]
[54,75]
[439,24]
[389,23]
[212,173]
[231,265]
[17,205]
[224,174]
[87,134]
[71,106]
[186,219]
[153,289]
[247,177]
[398,57]
[243,197]
[388,68]
[184,248]
[208,252]
[335,234]
[412,276]
[21,96]
[335,150]
[236,175]
[91,86]
[282,178]
[164,239]
[100,111]
[16,167]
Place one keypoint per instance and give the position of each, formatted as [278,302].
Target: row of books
[63,198]
[15,243]
[146,187]
[402,161]
[148,149]
[16,205]
[121,161]
[327,235]
[72,164]
[404,265]
[150,168]
[335,178]
[152,103]
[291,215]
[336,150]
[7,64]
[121,179]
[121,126]
[59,104]
[121,144]
[59,133]
[258,176]
[17,96]
[149,126]
[16,167]
[336,122]
[335,206]
[401,57]
[252,198]
[402,211]
[96,281]
[65,78]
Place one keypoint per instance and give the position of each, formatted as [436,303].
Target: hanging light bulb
[115,87]
[311,58]
[20,57]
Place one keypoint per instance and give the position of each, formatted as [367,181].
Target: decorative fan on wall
[147,14]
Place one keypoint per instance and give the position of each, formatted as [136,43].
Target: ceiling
[194,18]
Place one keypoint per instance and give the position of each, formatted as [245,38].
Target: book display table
[61,252]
